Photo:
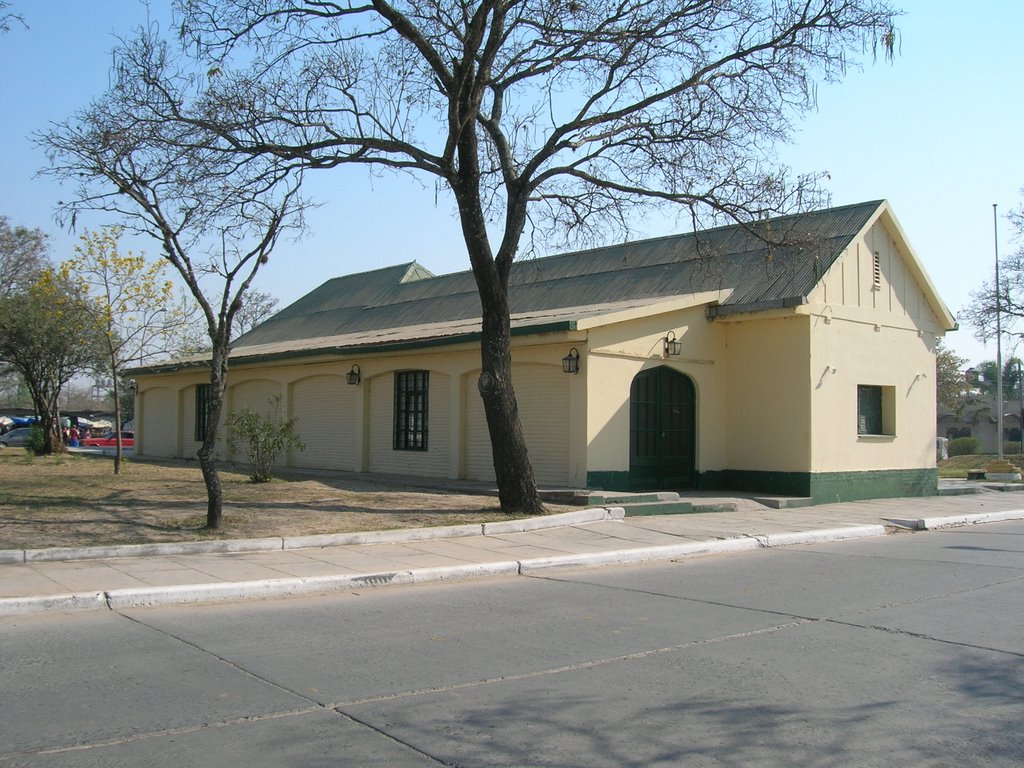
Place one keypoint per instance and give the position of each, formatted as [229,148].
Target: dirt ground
[75,500]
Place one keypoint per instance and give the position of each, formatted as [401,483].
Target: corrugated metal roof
[765,262]
[776,262]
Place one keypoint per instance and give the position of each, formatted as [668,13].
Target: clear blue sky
[938,133]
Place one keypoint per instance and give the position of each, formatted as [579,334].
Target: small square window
[876,410]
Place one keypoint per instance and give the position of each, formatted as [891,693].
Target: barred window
[411,390]
[202,410]
[876,410]
[869,410]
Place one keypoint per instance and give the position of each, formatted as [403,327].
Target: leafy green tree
[549,120]
[263,436]
[13,392]
[1012,378]
[130,302]
[952,386]
[24,253]
[127,395]
[47,336]
[985,378]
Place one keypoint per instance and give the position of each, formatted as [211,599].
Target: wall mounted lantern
[673,347]
[571,362]
[354,376]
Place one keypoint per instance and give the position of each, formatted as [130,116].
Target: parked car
[15,438]
[109,440]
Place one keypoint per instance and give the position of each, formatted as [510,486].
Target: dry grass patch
[75,500]
[958,466]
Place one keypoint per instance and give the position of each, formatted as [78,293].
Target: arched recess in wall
[433,461]
[255,395]
[160,406]
[543,395]
[324,410]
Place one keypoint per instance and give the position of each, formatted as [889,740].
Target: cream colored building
[798,359]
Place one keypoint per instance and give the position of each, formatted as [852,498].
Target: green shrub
[963,446]
[264,438]
[35,441]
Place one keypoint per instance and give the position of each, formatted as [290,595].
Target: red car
[109,440]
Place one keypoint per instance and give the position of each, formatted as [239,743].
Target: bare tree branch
[549,119]
[143,152]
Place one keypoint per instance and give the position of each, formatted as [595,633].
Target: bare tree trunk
[214,492]
[59,446]
[49,422]
[117,425]
[517,487]
[208,450]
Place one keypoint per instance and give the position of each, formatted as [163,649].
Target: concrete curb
[461,572]
[379,537]
[641,555]
[224,546]
[953,521]
[227,546]
[591,515]
[820,536]
[81,601]
[148,597]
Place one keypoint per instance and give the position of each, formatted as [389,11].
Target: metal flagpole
[999,468]
[999,339]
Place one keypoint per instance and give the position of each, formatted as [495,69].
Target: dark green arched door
[662,431]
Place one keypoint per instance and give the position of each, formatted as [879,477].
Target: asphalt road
[906,650]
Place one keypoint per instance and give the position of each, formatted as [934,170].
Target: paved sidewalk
[126,577]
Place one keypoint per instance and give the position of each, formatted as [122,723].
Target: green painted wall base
[821,487]
[658,508]
[608,481]
[828,487]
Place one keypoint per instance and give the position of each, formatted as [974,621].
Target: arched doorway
[662,431]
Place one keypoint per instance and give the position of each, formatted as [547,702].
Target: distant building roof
[980,409]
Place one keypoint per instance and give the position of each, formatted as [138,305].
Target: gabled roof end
[414,272]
